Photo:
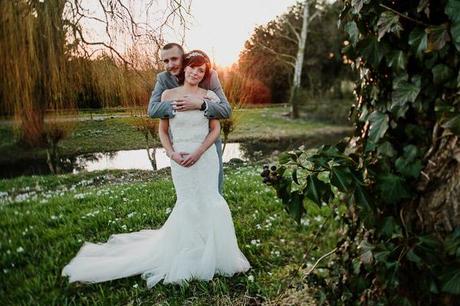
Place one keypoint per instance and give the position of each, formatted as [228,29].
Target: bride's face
[194,75]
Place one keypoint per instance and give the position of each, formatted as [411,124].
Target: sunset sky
[221,27]
[218,27]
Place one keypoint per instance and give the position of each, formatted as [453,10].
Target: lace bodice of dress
[191,126]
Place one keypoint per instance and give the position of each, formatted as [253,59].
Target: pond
[139,159]
[252,150]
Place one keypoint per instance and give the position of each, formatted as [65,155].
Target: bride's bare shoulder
[169,94]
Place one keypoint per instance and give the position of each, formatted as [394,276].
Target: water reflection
[253,150]
[138,159]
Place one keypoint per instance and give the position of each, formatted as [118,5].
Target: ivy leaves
[407,54]
[388,22]
[418,39]
[378,125]
[352,29]
[453,11]
[318,177]
[371,50]
[409,164]
[397,60]
[403,93]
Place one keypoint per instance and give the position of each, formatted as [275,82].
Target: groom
[171,56]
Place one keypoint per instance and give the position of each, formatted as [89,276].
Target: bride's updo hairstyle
[195,58]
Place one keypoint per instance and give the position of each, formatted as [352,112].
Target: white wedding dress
[196,241]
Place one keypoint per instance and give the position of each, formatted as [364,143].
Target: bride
[198,239]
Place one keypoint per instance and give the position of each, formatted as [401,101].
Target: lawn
[272,123]
[112,133]
[45,219]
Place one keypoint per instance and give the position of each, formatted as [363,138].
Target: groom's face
[172,60]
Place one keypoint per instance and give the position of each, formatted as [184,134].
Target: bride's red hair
[195,58]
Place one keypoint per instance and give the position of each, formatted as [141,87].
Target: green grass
[88,136]
[270,123]
[118,133]
[45,219]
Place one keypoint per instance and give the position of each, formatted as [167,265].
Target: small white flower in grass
[8,252]
[20,250]
[318,218]
[282,240]
[5,271]
[135,285]
[79,196]
[53,217]
[258,226]
[131,214]
[124,227]
[168,210]
[251,278]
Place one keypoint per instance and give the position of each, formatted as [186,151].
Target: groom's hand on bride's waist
[187,103]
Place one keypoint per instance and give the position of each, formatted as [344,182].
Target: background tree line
[263,69]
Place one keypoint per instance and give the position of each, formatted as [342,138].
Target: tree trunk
[152,158]
[52,156]
[294,99]
[32,125]
[438,207]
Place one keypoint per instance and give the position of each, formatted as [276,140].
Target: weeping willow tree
[41,43]
[33,63]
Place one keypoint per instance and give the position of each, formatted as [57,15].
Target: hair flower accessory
[194,54]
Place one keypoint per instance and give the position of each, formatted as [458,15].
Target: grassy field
[45,219]
[119,133]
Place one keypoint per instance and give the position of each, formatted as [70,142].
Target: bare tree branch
[119,18]
[282,56]
[293,29]
[315,14]
[288,38]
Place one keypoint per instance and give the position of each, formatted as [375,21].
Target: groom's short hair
[172,45]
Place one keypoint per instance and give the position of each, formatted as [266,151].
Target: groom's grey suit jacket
[219,110]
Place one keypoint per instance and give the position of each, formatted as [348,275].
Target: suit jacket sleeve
[156,108]
[221,109]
